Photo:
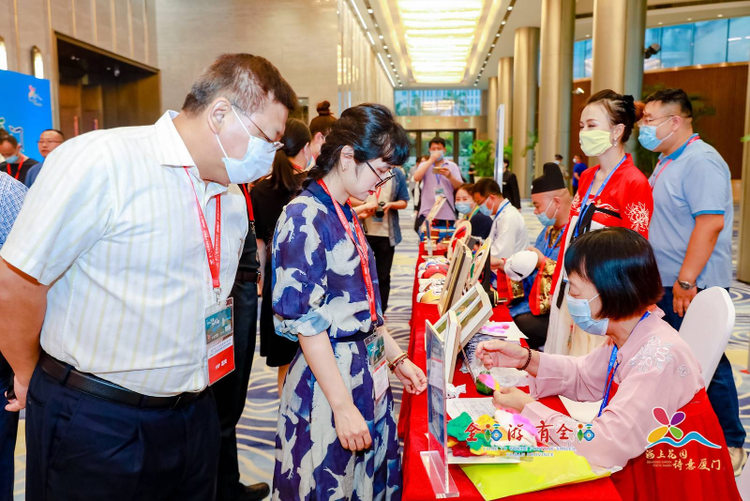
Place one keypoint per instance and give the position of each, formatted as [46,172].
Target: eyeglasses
[46,142]
[382,180]
[274,146]
[650,121]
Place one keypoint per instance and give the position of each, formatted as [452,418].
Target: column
[492,112]
[619,30]
[525,82]
[556,83]
[505,93]
[743,254]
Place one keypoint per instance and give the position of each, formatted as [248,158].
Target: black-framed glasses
[274,146]
[381,180]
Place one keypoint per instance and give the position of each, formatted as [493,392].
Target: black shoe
[253,492]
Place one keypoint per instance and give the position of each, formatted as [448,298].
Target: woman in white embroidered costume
[646,376]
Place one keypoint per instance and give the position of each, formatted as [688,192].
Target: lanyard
[18,172]
[551,248]
[611,366]
[500,211]
[250,214]
[296,167]
[473,213]
[213,251]
[655,176]
[361,246]
[585,202]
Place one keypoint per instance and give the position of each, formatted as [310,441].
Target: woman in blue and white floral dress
[335,439]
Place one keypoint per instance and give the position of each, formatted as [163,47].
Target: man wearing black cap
[533,292]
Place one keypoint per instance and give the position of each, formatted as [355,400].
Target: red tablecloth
[412,425]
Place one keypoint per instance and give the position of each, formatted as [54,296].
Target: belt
[67,375]
[357,336]
[247,276]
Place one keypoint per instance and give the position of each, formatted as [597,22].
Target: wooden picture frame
[455,280]
[461,234]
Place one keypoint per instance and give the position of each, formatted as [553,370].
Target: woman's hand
[502,354]
[511,398]
[411,376]
[351,428]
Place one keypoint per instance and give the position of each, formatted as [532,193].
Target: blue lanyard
[611,372]
[500,211]
[550,250]
[585,202]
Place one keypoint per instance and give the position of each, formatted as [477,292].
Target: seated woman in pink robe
[655,420]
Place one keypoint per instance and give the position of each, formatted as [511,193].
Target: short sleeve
[66,212]
[706,171]
[456,171]
[299,280]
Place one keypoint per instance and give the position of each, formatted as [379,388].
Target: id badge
[440,192]
[378,364]
[219,322]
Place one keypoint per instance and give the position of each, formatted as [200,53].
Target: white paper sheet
[475,407]
[512,334]
[585,412]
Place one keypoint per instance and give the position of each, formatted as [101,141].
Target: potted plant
[482,156]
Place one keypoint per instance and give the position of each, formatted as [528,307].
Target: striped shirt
[12,193]
[111,222]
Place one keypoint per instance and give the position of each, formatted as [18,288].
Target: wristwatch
[685,285]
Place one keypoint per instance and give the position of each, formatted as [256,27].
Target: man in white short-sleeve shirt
[123,257]
[508,234]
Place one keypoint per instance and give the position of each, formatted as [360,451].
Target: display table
[412,427]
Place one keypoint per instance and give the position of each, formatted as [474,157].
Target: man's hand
[682,298]
[444,171]
[435,156]
[17,402]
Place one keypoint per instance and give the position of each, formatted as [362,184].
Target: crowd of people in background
[316,239]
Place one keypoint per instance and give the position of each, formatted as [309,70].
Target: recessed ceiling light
[720,15]
[510,7]
[370,11]
[380,37]
[690,19]
[492,45]
[475,85]
[660,23]
[385,47]
[389,55]
[503,23]
[497,36]
[376,25]
[588,36]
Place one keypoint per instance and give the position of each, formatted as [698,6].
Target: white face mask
[255,164]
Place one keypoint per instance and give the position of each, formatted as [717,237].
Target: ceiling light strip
[359,15]
[385,68]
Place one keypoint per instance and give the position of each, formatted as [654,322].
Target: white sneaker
[738,455]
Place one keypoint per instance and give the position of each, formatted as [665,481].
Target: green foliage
[482,156]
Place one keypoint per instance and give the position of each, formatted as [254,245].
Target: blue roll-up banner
[25,109]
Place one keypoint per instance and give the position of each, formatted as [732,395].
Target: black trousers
[80,447]
[231,391]
[8,432]
[535,328]
[381,247]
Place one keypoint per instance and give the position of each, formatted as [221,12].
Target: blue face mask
[463,207]
[647,136]
[12,160]
[484,209]
[580,310]
[544,218]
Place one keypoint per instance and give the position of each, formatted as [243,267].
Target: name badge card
[378,364]
[220,339]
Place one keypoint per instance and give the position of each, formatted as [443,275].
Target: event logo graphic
[34,98]
[668,433]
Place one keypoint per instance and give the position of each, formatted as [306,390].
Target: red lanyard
[296,167]
[18,172]
[361,246]
[250,214]
[669,161]
[213,251]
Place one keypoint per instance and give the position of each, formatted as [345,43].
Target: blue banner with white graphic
[25,109]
